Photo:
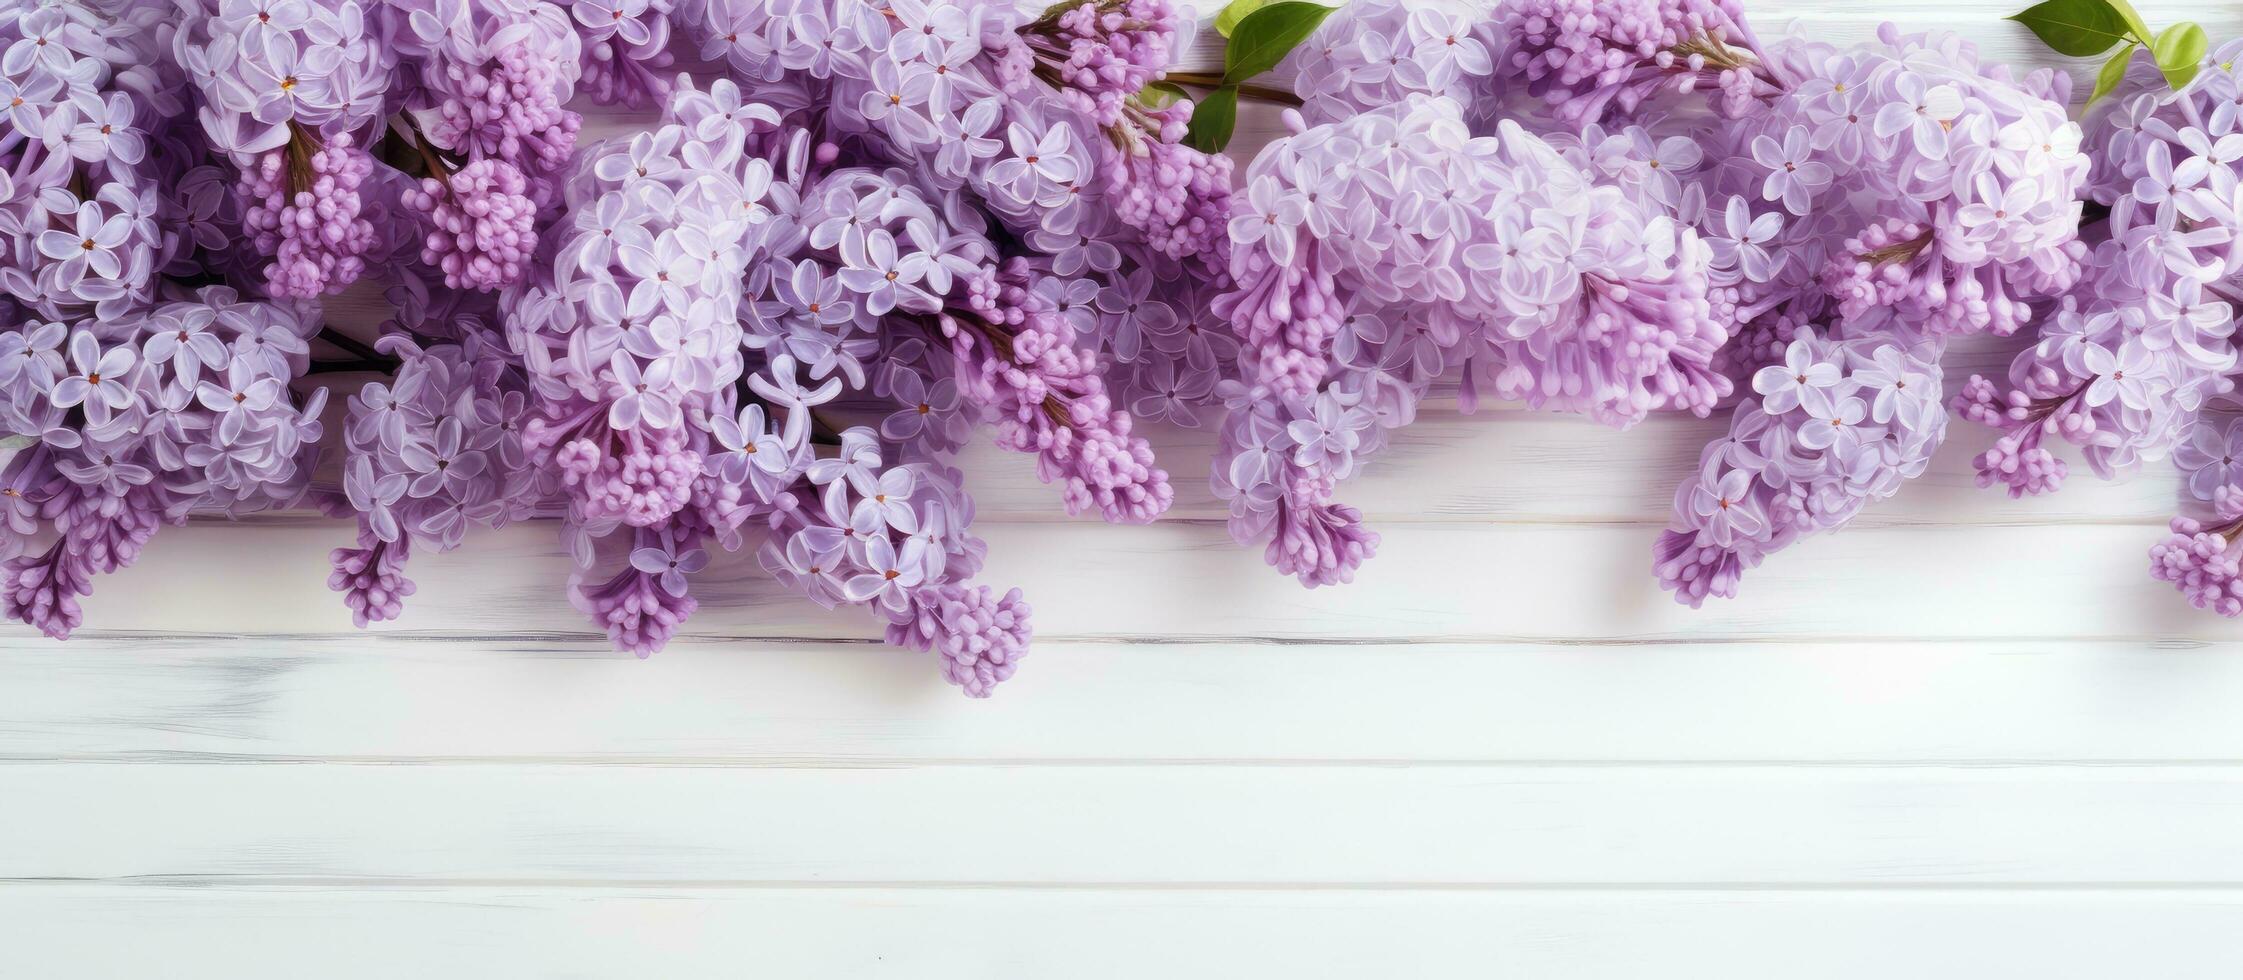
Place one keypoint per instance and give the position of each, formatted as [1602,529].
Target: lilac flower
[1327,439]
[375,498]
[1728,508]
[90,246]
[1922,112]
[96,379]
[876,271]
[241,400]
[924,406]
[640,396]
[751,450]
[1794,382]
[1886,378]
[1048,157]
[1446,47]
[1794,177]
[670,566]
[2212,456]
[1835,422]
[1270,220]
[890,574]
[1740,244]
[186,349]
[2124,376]
[109,134]
[445,464]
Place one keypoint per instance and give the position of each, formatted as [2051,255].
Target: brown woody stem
[1203,80]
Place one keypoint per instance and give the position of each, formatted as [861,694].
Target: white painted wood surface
[1966,738]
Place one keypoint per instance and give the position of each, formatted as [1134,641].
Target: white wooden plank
[1122,825]
[371,698]
[1536,583]
[228,932]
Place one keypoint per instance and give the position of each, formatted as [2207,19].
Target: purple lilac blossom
[1895,190]
[728,293]
[1545,286]
[2140,361]
[80,189]
[1838,425]
[2145,341]
[293,147]
[1045,122]
[127,424]
[1897,193]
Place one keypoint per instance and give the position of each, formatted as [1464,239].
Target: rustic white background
[1968,737]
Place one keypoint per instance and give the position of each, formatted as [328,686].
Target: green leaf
[1161,95]
[2113,72]
[1212,121]
[1227,21]
[2139,28]
[2077,28]
[1263,38]
[2180,52]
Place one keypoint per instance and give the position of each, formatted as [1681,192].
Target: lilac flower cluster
[1839,424]
[1658,209]
[131,394]
[81,179]
[126,424]
[769,321]
[319,236]
[1888,197]
[730,289]
[1588,58]
[151,151]
[2139,362]
[1376,53]
[2147,343]
[1046,122]
[760,325]
[320,105]
[430,452]
[1549,288]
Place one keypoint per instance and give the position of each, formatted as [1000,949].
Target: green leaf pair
[2086,28]
[1260,34]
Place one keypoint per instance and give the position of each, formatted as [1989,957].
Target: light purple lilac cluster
[2139,362]
[763,324]
[134,390]
[758,325]
[1376,53]
[1042,121]
[1545,287]
[1839,424]
[1849,209]
[178,181]
[450,109]
[81,175]
[122,425]
[768,321]
[1888,197]
[705,319]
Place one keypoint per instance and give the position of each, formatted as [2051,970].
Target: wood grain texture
[447,701]
[1965,738]
[1127,825]
[1001,933]
[1178,580]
